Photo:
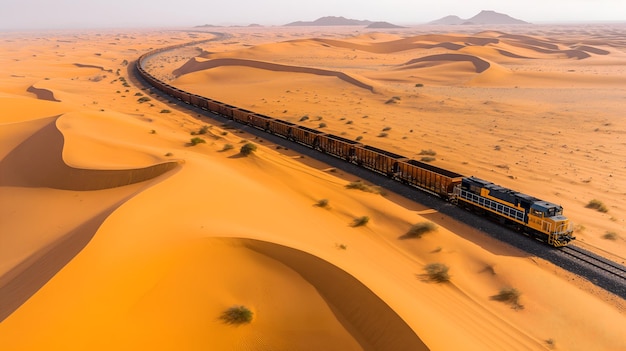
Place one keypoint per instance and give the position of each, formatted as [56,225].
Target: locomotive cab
[547,218]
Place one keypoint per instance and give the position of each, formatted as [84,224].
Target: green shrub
[437,272]
[510,296]
[195,141]
[597,205]
[419,229]
[237,315]
[228,147]
[361,221]
[247,149]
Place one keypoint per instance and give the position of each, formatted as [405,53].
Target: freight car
[537,218]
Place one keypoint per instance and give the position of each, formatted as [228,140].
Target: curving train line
[537,218]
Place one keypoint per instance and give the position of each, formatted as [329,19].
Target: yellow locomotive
[541,219]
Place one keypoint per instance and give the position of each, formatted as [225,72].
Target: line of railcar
[540,219]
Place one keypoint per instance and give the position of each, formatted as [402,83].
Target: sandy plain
[117,234]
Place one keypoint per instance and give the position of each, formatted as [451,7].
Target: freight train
[537,218]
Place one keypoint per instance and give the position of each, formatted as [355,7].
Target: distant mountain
[448,20]
[484,17]
[383,25]
[331,21]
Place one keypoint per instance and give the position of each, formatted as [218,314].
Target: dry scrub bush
[428,152]
[195,141]
[364,187]
[419,229]
[237,315]
[597,205]
[322,203]
[610,236]
[509,296]
[361,221]
[247,149]
[437,272]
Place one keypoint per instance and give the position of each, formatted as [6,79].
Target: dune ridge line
[194,65]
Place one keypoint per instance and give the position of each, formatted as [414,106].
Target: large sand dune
[117,234]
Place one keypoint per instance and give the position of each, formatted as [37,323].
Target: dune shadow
[480,65]
[42,94]
[38,162]
[373,323]
[194,65]
[25,279]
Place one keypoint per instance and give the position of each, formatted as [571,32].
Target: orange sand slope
[142,241]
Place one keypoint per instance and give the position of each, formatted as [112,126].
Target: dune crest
[377,325]
[195,65]
[38,162]
[479,64]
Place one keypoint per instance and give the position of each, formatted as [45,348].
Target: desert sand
[116,233]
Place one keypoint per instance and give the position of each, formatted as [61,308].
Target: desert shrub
[227,147]
[143,99]
[237,315]
[138,94]
[152,131]
[342,246]
[247,149]
[349,122]
[427,159]
[419,229]
[383,135]
[510,296]
[169,154]
[419,85]
[437,272]
[364,187]
[195,141]
[428,152]
[386,129]
[610,236]
[359,138]
[166,111]
[322,203]
[597,205]
[304,118]
[322,125]
[361,221]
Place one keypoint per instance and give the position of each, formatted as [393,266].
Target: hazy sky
[57,14]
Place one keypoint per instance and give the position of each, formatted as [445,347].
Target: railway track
[602,272]
[596,261]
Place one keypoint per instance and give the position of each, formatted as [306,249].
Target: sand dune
[194,65]
[480,64]
[120,235]
[38,162]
